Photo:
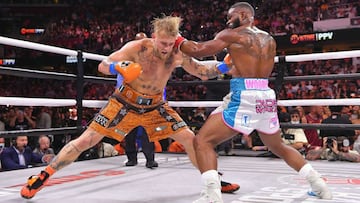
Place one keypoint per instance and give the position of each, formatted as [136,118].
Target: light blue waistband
[237,84]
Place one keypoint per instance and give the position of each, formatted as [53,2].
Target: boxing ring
[176,180]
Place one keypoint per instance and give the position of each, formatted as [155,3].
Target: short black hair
[294,111]
[284,117]
[245,5]
[336,109]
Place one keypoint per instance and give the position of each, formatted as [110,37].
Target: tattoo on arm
[208,71]
[349,157]
[314,154]
[204,69]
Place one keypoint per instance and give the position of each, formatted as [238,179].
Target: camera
[329,141]
[287,136]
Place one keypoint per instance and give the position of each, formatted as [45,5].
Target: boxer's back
[253,54]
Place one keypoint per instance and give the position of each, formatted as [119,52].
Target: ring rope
[47,48]
[38,132]
[24,101]
[64,51]
[29,73]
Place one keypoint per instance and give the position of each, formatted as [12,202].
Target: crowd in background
[104,27]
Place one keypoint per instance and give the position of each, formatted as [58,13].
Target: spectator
[43,146]
[301,113]
[106,150]
[295,137]
[20,156]
[2,144]
[2,123]
[337,118]
[356,120]
[21,121]
[2,147]
[43,118]
[70,120]
[315,117]
[334,148]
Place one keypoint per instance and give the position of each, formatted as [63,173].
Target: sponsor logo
[273,122]
[245,120]
[129,94]
[143,101]
[101,120]
[322,36]
[120,132]
[266,105]
[160,128]
[178,125]
[256,83]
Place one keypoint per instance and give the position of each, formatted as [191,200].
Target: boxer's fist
[179,40]
[128,69]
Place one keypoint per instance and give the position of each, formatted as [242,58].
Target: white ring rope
[322,56]
[63,51]
[48,48]
[23,101]
[20,101]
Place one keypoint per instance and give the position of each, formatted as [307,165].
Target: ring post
[280,76]
[79,89]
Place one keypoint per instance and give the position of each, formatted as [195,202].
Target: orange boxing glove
[128,69]
[228,60]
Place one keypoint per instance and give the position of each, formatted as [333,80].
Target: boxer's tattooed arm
[202,69]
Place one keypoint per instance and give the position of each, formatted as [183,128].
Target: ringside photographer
[337,144]
[334,148]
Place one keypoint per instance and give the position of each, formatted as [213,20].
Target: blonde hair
[168,24]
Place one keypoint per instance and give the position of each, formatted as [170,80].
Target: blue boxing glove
[224,66]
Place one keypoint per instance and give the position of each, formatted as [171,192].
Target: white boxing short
[250,105]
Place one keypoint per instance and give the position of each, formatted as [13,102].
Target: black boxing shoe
[151,164]
[131,163]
